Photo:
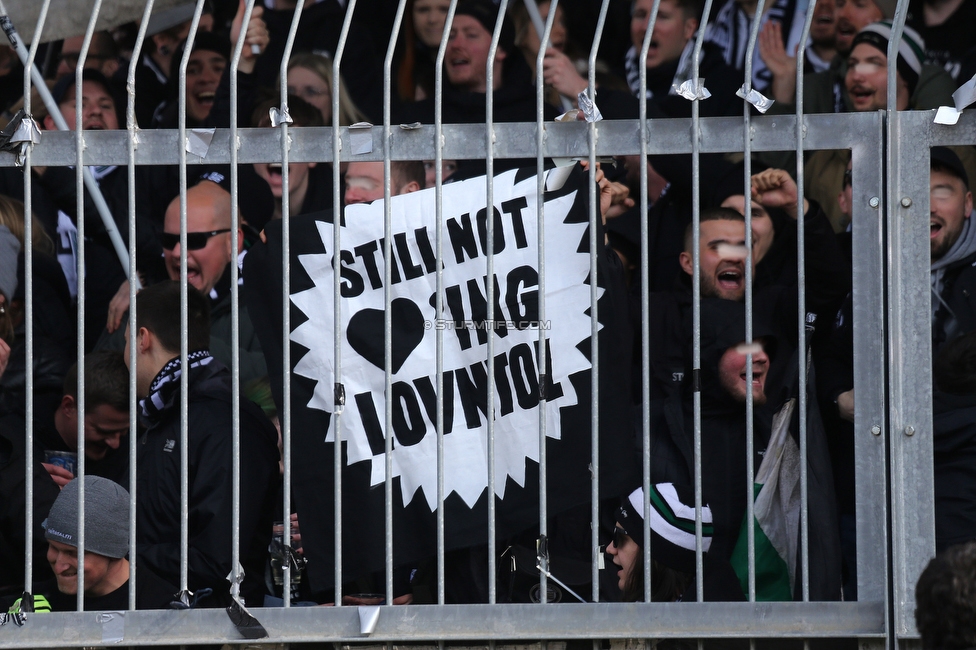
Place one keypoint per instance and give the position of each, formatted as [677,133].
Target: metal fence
[893,417]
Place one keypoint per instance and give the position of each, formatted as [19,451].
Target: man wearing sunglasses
[209,254]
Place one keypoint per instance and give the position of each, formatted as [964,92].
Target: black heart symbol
[365,333]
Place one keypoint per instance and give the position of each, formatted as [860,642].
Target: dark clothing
[104,272]
[955,469]
[253,369]
[721,80]
[152,592]
[723,460]
[946,45]
[13,509]
[150,89]
[54,341]
[210,498]
[956,314]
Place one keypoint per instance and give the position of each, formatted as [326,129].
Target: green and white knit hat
[672,523]
[911,49]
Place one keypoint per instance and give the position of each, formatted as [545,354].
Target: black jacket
[723,431]
[958,313]
[955,469]
[13,509]
[720,79]
[210,498]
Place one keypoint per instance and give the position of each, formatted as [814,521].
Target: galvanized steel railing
[886,254]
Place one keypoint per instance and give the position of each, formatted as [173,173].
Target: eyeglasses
[848,178]
[620,537]
[194,240]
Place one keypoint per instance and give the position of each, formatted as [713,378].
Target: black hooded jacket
[955,469]
[210,487]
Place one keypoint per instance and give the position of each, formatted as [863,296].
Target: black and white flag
[515,366]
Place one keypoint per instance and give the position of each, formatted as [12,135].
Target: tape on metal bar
[590,112]
[963,97]
[279,116]
[756,98]
[691,90]
[19,135]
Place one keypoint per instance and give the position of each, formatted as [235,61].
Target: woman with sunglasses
[672,527]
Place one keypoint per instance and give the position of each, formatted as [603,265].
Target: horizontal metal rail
[454,623]
[466,141]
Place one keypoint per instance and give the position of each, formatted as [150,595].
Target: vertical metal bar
[540,138]
[747,203]
[184,366]
[337,299]
[870,371]
[80,208]
[235,336]
[439,302]
[696,292]
[596,249]
[29,314]
[490,293]
[910,347]
[132,142]
[388,296]
[285,297]
[802,311]
[645,301]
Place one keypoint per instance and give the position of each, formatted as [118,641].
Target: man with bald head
[209,254]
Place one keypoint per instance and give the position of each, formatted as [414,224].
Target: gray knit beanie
[9,250]
[106,517]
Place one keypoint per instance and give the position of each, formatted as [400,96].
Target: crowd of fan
[845,66]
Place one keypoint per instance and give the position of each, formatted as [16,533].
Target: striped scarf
[729,31]
[164,387]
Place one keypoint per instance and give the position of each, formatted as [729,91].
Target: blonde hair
[12,216]
[349,113]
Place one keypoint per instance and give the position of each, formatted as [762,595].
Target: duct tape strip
[279,116]
[590,111]
[113,627]
[756,98]
[198,141]
[963,97]
[19,135]
[691,91]
[361,138]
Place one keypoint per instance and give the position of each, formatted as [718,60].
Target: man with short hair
[158,378]
[364,180]
[106,420]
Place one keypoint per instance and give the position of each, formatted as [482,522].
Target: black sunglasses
[194,240]
[848,178]
[620,536]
